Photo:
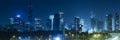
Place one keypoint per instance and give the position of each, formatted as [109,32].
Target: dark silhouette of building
[49,24]
[93,22]
[30,15]
[109,22]
[57,21]
[76,23]
[116,22]
[100,25]
[18,20]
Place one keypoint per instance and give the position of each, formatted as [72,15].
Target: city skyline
[43,9]
[56,21]
[69,10]
[59,19]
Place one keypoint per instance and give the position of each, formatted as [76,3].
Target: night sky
[71,8]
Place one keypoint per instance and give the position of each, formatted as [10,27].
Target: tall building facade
[93,22]
[11,20]
[49,24]
[76,23]
[38,23]
[100,26]
[81,25]
[116,21]
[109,22]
[82,21]
[57,21]
[30,15]
[18,20]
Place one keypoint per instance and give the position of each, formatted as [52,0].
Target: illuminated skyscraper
[11,20]
[49,22]
[38,23]
[109,22]
[57,21]
[18,20]
[116,23]
[93,22]
[82,21]
[81,24]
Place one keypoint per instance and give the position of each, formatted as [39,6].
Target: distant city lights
[57,38]
[18,16]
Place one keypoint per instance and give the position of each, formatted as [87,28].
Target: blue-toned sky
[71,8]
